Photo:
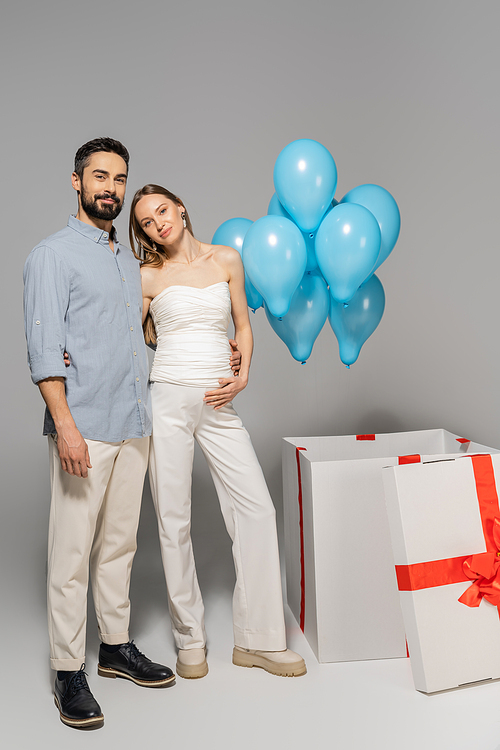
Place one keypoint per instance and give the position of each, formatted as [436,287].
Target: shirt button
[137,379]
[139,401]
[38,323]
[105,235]
[135,354]
[123,279]
[96,238]
[131,328]
[128,304]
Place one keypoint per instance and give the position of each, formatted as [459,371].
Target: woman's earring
[154,247]
[183,217]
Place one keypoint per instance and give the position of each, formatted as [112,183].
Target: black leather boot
[77,706]
[128,662]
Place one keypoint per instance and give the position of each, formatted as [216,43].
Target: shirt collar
[92,233]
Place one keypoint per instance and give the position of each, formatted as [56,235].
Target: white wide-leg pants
[93,520]
[180,416]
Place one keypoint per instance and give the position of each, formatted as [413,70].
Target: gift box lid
[444,520]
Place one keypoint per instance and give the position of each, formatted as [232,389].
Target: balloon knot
[344,305]
[303,363]
[348,367]
[253,309]
[311,235]
[280,318]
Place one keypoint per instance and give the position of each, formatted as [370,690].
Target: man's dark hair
[84,153]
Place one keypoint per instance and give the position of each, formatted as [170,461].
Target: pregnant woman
[190,290]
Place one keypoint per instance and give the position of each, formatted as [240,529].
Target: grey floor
[353,705]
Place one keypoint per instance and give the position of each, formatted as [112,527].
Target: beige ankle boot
[283,663]
[191,663]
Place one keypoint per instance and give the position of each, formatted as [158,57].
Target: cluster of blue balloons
[312,257]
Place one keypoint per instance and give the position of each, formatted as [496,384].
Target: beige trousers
[93,521]
[180,417]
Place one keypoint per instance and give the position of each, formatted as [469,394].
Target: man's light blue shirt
[83,298]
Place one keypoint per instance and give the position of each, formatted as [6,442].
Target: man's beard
[92,208]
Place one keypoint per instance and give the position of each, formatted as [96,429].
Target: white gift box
[339,565]
[441,514]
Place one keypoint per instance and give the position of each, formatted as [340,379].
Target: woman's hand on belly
[228,389]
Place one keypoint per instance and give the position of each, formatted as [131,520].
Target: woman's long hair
[144,249]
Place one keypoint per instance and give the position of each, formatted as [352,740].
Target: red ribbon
[302,547]
[365,437]
[414,458]
[484,568]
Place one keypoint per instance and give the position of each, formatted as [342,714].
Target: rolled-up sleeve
[46,298]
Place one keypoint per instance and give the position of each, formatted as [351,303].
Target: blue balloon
[307,315]
[347,247]
[276,209]
[354,324]
[382,205]
[275,258]
[254,299]
[305,178]
[312,263]
[232,233]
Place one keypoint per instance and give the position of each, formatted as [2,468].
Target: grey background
[205,95]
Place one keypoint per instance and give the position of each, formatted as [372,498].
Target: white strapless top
[191,330]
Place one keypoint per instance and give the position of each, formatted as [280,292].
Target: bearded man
[83,296]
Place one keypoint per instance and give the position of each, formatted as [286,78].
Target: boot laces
[134,652]
[78,681]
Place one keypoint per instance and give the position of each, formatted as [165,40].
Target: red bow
[484,570]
